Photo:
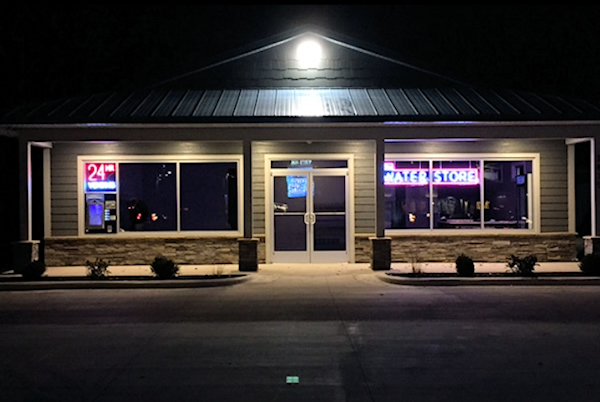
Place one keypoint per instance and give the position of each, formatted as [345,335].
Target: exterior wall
[364,177]
[554,244]
[64,205]
[553,166]
[547,247]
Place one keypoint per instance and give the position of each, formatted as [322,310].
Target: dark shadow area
[9,202]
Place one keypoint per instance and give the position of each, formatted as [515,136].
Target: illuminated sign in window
[100,177]
[421,177]
[296,186]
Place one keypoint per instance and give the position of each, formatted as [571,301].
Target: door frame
[269,222]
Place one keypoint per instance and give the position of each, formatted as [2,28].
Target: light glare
[309,54]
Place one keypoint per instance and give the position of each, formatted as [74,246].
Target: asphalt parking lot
[330,334]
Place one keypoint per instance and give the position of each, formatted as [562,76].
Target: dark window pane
[456,195]
[506,202]
[209,196]
[330,233]
[406,195]
[290,232]
[147,196]
[329,194]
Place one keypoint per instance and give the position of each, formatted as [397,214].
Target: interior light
[309,54]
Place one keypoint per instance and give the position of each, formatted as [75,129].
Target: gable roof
[266,82]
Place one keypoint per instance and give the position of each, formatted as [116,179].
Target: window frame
[177,159]
[482,158]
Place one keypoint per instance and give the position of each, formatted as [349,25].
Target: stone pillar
[591,245]
[381,253]
[24,252]
[248,254]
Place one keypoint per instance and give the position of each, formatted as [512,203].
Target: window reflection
[147,196]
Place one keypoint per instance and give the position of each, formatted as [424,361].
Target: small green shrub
[98,269]
[464,265]
[34,270]
[590,264]
[522,265]
[164,268]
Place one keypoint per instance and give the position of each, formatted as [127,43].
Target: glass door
[309,215]
[290,218]
[329,217]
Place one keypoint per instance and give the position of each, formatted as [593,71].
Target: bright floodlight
[309,54]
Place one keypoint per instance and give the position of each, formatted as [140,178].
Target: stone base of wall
[547,247]
[73,251]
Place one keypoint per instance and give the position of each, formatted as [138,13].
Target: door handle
[309,218]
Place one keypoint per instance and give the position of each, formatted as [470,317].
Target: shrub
[33,270]
[590,264]
[522,266]
[97,269]
[164,268]
[465,265]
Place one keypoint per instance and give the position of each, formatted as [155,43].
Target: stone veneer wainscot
[547,247]
[73,251]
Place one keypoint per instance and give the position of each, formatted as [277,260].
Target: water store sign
[422,177]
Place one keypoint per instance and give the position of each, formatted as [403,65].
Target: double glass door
[309,215]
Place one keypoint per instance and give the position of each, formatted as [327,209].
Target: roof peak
[331,38]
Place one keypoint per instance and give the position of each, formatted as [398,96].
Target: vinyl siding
[364,176]
[553,175]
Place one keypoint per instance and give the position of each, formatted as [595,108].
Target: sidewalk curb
[498,281]
[69,284]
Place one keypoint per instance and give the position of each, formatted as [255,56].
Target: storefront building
[260,158]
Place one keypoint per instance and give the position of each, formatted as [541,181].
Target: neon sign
[422,177]
[100,177]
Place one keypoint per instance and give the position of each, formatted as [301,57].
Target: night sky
[51,52]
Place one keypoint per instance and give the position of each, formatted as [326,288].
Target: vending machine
[100,190]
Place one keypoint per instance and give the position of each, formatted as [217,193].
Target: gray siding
[64,170]
[553,166]
[553,162]
[364,176]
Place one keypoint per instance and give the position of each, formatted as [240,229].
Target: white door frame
[269,210]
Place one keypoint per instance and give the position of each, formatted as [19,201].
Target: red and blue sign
[100,177]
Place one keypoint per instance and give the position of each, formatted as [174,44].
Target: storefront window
[407,195]
[458,194]
[149,196]
[506,199]
[209,196]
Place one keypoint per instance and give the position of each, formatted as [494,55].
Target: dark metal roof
[343,104]
[266,83]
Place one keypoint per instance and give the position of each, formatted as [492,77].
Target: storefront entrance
[309,213]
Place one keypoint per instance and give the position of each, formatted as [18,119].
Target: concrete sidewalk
[303,269]
[191,276]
